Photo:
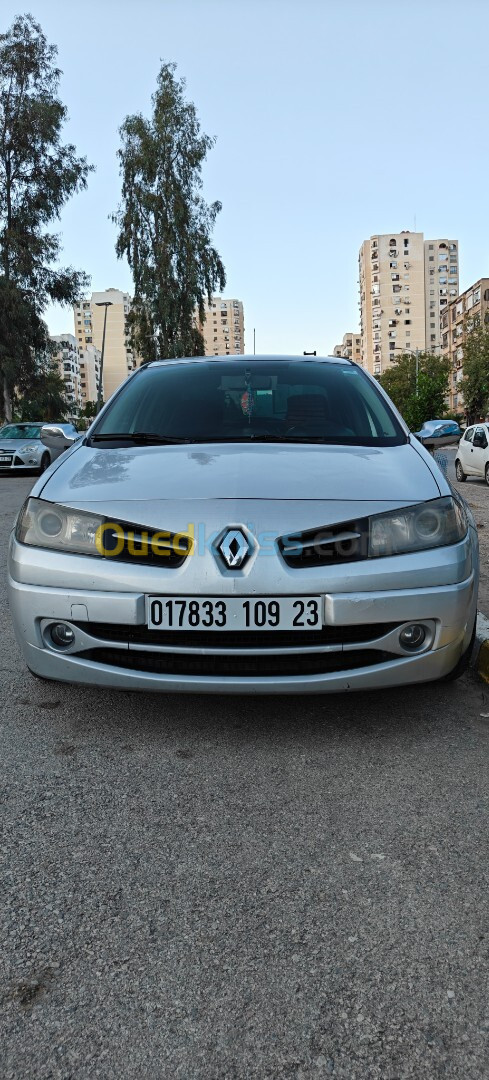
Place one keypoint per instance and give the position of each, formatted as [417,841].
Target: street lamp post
[105,304]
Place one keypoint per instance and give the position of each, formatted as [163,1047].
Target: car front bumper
[106,609]
[22,463]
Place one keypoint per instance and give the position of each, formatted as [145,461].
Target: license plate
[234,613]
[5,459]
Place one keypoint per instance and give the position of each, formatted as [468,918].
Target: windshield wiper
[264,437]
[144,437]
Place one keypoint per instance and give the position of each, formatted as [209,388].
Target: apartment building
[405,283]
[119,360]
[470,309]
[350,347]
[223,328]
[441,286]
[67,357]
[90,359]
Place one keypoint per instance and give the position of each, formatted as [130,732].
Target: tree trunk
[7,400]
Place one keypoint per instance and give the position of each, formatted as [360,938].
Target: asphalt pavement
[220,889]
[476,492]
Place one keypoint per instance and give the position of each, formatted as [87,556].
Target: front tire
[45,463]
[459,472]
[487,474]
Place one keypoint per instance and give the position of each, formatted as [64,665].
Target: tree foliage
[45,396]
[424,398]
[38,173]
[475,383]
[165,225]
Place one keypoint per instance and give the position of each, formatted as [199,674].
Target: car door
[486,451]
[465,449]
[479,450]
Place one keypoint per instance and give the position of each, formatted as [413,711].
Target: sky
[334,120]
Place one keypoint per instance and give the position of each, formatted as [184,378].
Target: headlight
[29,450]
[417,528]
[47,525]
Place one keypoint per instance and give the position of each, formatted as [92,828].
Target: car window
[16,431]
[240,400]
[469,434]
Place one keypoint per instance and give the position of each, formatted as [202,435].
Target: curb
[480,653]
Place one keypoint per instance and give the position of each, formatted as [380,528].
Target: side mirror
[56,439]
[479,440]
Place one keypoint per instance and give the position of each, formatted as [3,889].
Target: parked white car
[473,453]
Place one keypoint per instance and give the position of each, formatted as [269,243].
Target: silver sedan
[21,448]
[245,525]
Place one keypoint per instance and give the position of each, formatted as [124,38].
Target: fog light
[61,635]
[413,636]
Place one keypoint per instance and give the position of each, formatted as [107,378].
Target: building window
[407,322]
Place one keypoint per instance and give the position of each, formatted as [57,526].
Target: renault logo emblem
[234,548]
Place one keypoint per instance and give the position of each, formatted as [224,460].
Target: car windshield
[245,400]
[20,431]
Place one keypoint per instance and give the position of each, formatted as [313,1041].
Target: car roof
[250,358]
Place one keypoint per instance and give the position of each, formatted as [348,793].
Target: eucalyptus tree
[165,225]
[38,174]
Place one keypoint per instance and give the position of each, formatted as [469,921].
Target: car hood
[15,444]
[102,478]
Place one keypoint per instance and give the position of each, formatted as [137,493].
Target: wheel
[459,472]
[487,473]
[45,463]
[464,661]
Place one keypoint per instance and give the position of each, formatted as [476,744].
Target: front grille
[18,460]
[237,666]
[340,543]
[140,544]
[237,639]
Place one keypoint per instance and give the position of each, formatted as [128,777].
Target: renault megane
[245,525]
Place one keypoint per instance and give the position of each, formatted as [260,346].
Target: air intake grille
[236,639]
[238,666]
